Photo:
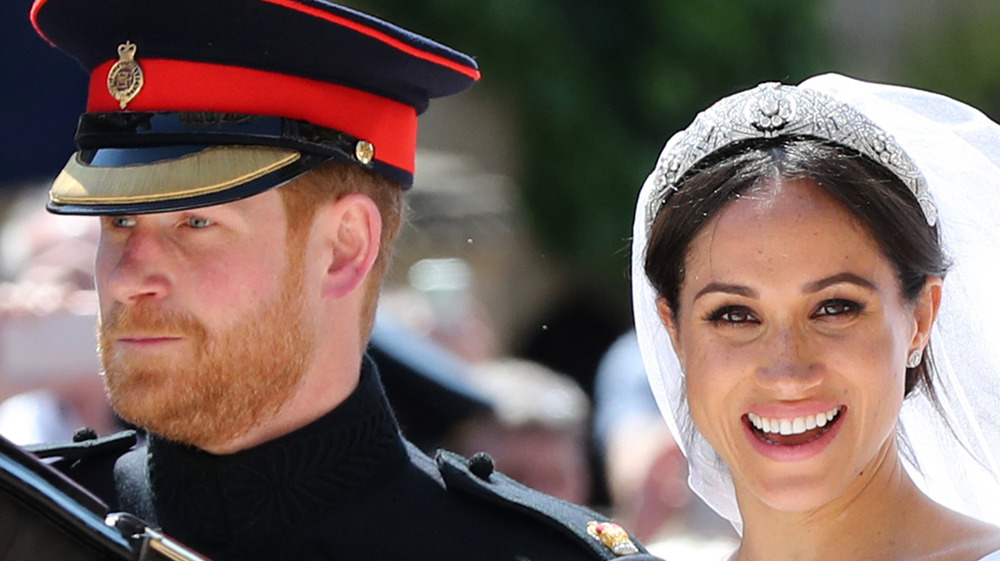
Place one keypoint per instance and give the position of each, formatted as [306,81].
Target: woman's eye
[123,221]
[198,222]
[732,315]
[837,307]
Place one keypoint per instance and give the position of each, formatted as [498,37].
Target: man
[247,159]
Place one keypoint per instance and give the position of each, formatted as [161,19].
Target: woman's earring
[914,359]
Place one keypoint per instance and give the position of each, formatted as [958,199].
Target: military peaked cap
[200,102]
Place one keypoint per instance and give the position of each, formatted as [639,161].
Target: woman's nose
[789,361]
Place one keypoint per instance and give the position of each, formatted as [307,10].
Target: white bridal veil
[957,150]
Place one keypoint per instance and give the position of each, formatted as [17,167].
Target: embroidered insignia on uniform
[613,536]
[125,77]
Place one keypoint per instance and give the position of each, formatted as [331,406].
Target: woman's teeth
[796,425]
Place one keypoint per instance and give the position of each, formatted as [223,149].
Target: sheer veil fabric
[954,461]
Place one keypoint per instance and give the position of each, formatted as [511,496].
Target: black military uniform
[347,486]
[202,102]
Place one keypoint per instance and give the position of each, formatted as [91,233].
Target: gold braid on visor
[208,171]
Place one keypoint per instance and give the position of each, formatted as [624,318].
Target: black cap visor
[210,176]
[134,163]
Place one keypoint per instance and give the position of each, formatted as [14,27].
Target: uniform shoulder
[89,460]
[476,477]
[85,444]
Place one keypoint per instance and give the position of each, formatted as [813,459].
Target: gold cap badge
[125,77]
[613,536]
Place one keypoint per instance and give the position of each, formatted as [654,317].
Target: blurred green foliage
[957,52]
[598,87]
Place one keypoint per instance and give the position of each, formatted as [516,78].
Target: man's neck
[329,381]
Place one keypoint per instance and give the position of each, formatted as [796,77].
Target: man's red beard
[225,383]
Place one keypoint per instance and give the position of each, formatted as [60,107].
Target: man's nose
[789,361]
[138,270]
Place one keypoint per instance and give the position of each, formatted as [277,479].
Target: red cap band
[172,85]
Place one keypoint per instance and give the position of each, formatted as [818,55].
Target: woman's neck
[881,516]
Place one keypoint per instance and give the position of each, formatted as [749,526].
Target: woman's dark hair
[873,194]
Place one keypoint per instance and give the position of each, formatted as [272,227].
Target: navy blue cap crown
[353,82]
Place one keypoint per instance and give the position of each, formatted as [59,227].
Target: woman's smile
[794,335]
[787,439]
[795,257]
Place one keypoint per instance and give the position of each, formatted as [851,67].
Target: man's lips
[146,339]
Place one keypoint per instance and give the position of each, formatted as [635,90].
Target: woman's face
[794,337]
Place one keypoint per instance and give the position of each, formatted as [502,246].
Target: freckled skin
[789,303]
[774,242]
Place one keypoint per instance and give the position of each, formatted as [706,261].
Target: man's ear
[354,236]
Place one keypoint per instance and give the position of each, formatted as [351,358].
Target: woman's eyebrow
[736,289]
[847,277]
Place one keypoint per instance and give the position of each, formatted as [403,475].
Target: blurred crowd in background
[505,323]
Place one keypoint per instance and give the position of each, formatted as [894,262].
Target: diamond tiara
[773,110]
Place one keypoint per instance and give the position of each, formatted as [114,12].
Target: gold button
[364,151]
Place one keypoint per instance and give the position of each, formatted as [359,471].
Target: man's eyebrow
[736,289]
[851,278]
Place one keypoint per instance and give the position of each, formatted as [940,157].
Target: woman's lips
[793,438]
[794,425]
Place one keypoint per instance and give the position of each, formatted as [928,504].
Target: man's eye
[732,315]
[198,222]
[838,307]
[123,221]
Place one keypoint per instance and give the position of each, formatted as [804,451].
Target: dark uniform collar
[206,500]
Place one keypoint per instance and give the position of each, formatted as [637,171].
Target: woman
[833,393]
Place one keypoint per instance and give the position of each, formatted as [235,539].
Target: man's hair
[331,181]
